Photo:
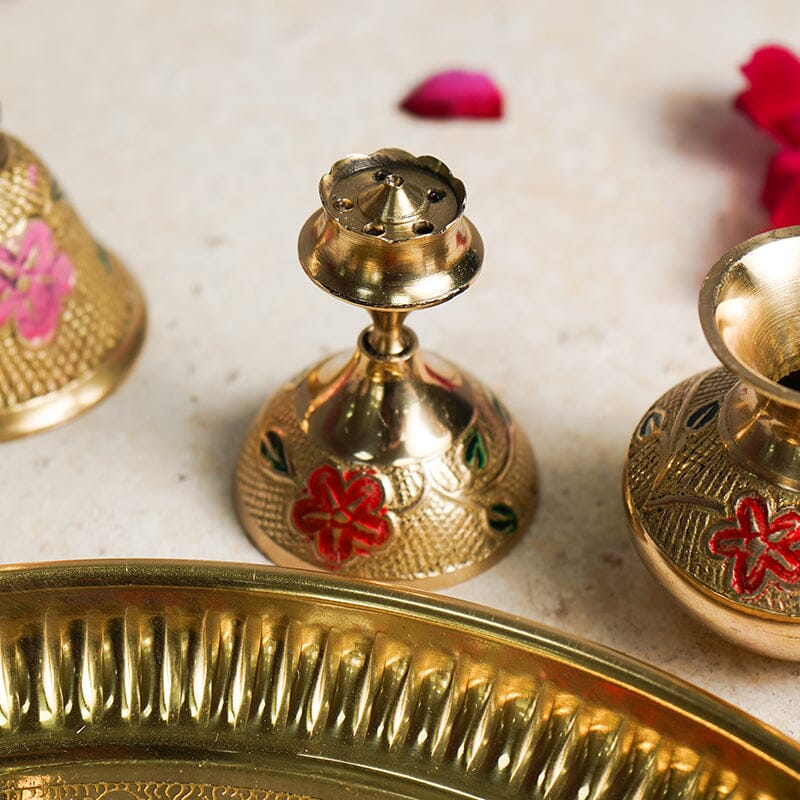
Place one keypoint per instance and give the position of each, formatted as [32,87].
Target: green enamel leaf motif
[56,191]
[475,454]
[502,518]
[501,409]
[273,453]
[103,256]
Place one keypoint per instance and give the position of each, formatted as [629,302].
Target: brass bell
[387,462]
[72,319]
[712,483]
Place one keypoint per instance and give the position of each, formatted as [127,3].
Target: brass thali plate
[178,680]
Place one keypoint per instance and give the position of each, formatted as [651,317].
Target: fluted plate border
[245,679]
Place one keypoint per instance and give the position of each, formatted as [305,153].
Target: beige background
[191,135]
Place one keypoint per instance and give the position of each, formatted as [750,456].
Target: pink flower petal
[8,259]
[456,93]
[39,236]
[38,315]
[62,275]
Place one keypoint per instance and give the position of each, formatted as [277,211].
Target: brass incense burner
[72,319]
[712,481]
[387,462]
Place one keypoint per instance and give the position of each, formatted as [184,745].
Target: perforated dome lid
[391,232]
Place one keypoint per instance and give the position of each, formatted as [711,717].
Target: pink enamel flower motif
[758,545]
[35,277]
[344,514]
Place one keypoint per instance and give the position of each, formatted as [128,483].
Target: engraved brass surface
[137,680]
[388,462]
[712,480]
[72,319]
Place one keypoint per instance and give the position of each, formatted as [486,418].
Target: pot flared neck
[762,434]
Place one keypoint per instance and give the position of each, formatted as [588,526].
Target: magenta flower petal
[456,93]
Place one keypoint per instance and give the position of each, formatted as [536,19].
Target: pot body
[714,509]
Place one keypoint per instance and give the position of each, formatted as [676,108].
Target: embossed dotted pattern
[256,682]
[97,311]
[443,501]
[46,789]
[684,485]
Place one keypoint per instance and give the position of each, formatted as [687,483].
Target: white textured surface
[191,135]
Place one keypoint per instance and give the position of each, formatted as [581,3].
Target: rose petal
[781,194]
[772,100]
[456,93]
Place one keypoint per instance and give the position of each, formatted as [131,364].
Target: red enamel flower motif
[759,545]
[344,513]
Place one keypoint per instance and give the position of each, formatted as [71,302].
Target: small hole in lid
[342,203]
[380,175]
[374,228]
[422,227]
[435,195]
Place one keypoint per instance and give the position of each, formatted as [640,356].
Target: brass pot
[712,479]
